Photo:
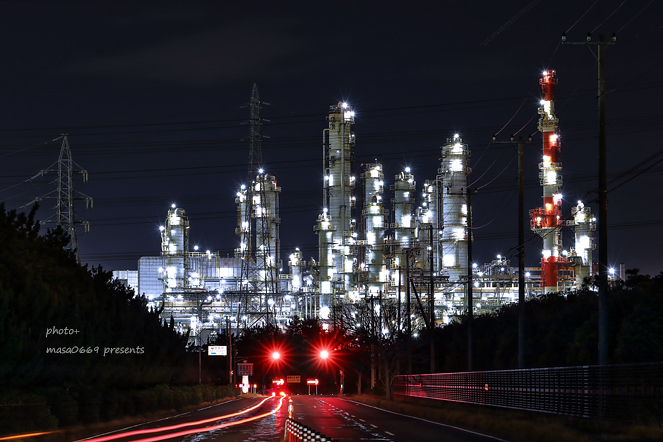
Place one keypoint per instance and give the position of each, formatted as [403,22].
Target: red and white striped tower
[546,221]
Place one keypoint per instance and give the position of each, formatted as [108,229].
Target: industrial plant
[411,252]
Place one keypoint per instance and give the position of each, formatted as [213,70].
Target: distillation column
[404,189]
[243,229]
[266,213]
[337,251]
[453,186]
[546,221]
[428,225]
[174,248]
[373,214]
[584,224]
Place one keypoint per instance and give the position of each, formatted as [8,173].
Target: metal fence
[629,393]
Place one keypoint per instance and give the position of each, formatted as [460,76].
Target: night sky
[151,97]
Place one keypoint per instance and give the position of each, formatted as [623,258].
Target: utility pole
[408,319]
[521,248]
[200,334]
[431,299]
[603,195]
[230,352]
[470,306]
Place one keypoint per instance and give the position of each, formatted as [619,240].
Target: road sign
[293,379]
[312,381]
[245,369]
[217,350]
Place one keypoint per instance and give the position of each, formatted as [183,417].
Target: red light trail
[188,424]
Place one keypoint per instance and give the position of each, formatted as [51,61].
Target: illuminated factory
[412,252]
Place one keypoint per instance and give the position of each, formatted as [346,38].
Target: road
[345,420]
[244,419]
[258,419]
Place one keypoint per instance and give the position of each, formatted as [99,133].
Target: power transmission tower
[65,195]
[259,273]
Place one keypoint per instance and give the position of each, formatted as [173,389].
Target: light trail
[174,427]
[21,436]
[215,427]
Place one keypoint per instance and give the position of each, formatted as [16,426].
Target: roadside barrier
[296,432]
[628,393]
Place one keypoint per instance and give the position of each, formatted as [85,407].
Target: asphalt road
[244,419]
[258,419]
[345,420]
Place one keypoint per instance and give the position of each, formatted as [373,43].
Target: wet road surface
[345,420]
[263,420]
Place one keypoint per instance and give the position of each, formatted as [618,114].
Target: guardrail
[297,432]
[631,393]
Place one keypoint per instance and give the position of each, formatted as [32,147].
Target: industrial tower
[373,215]
[546,221]
[581,255]
[174,249]
[335,226]
[454,235]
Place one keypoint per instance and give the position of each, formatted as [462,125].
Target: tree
[64,324]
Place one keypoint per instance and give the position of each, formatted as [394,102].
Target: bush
[63,406]
[89,403]
[111,405]
[165,397]
[22,412]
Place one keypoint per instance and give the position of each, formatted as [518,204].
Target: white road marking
[430,422]
[390,434]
